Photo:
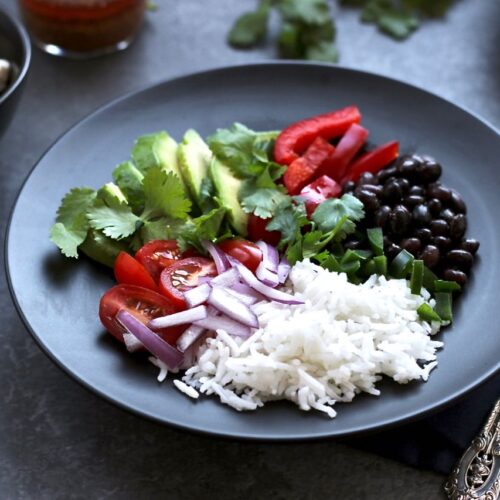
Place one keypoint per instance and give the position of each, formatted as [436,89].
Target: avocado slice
[156,150]
[228,187]
[99,247]
[193,156]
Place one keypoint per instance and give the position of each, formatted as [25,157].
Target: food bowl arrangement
[15,56]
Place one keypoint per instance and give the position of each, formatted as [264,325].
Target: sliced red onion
[204,279]
[270,256]
[246,299]
[232,307]
[218,256]
[152,342]
[270,293]
[198,295]
[189,337]
[227,278]
[132,343]
[180,318]
[224,323]
[243,289]
[266,276]
[283,269]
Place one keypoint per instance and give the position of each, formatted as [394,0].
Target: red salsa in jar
[82,27]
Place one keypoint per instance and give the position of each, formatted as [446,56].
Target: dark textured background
[58,441]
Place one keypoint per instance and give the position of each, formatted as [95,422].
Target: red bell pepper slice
[373,161]
[318,191]
[257,230]
[295,139]
[304,169]
[336,165]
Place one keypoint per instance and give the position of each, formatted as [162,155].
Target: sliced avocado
[228,189]
[112,195]
[156,150]
[193,156]
[99,247]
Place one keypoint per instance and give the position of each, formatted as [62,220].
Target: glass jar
[82,28]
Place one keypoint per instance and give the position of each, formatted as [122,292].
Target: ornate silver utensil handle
[477,474]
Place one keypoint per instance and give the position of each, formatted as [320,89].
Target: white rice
[337,344]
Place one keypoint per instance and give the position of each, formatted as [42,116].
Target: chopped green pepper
[429,279]
[376,239]
[417,277]
[446,286]
[380,262]
[401,265]
[443,305]
[427,313]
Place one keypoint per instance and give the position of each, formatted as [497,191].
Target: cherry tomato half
[143,304]
[183,275]
[248,253]
[129,271]
[156,255]
[257,230]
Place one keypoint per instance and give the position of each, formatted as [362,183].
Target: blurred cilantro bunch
[308,29]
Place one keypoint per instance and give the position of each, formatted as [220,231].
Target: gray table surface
[57,440]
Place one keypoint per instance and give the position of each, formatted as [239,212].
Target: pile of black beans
[419,214]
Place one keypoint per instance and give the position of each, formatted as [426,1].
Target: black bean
[392,250]
[408,166]
[374,188]
[366,178]
[424,234]
[412,245]
[404,184]
[349,186]
[460,258]
[382,216]
[385,173]
[417,190]
[470,245]
[430,255]
[369,199]
[443,243]
[438,191]
[439,227]
[435,206]
[421,215]
[447,214]
[413,200]
[400,220]
[458,203]
[458,226]
[392,192]
[456,276]
[430,171]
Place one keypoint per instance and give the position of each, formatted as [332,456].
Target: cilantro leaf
[263,202]
[312,12]
[323,51]
[68,239]
[161,229]
[288,220]
[263,145]
[164,195]
[397,22]
[250,28]
[330,212]
[208,201]
[74,205]
[116,222]
[129,180]
[204,227]
[234,147]
[71,227]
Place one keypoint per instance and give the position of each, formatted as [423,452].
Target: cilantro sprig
[308,29]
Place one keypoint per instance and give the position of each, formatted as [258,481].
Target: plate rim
[361,430]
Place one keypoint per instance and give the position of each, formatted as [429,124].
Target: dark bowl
[15,47]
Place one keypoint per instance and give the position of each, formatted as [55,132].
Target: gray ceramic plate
[58,298]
